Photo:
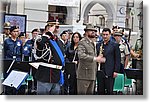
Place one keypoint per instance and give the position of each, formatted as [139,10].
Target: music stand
[18,66]
[15,79]
[21,66]
[136,74]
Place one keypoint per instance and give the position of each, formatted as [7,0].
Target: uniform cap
[13,28]
[117,34]
[70,31]
[52,22]
[21,34]
[6,25]
[64,32]
[90,27]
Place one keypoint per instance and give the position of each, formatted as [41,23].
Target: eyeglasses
[115,30]
[6,28]
[15,31]
[70,33]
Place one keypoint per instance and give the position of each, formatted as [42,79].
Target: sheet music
[15,79]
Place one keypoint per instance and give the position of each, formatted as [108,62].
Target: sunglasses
[57,27]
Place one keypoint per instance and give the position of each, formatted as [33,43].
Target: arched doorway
[97,15]
[106,4]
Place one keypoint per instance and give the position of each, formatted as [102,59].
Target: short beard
[91,36]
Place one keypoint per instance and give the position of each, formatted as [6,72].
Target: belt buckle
[57,67]
[14,57]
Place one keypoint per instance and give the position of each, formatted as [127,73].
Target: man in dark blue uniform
[12,45]
[12,51]
[29,46]
[26,48]
[108,70]
[47,48]
[30,42]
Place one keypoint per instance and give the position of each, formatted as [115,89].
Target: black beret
[21,34]
[13,28]
[64,32]
[35,30]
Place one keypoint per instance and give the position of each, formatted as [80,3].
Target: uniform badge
[25,48]
[18,44]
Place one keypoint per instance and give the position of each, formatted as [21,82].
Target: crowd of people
[85,61]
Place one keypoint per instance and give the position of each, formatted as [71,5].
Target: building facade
[74,14]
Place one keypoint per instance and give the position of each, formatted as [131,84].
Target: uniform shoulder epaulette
[82,39]
[123,42]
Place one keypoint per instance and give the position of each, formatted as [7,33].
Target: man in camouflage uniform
[123,49]
[138,62]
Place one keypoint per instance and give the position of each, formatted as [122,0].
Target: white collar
[62,41]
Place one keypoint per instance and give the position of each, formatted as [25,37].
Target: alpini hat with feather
[90,27]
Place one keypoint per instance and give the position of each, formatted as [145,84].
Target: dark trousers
[70,84]
[105,84]
[12,91]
